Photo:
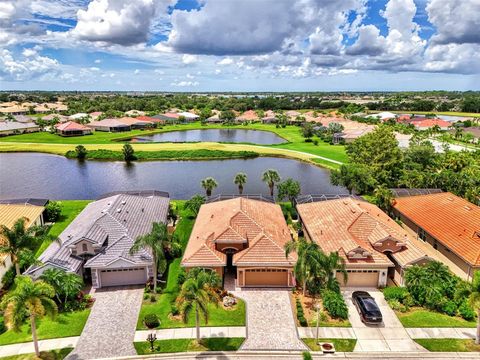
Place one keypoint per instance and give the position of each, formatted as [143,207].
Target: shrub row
[300,314]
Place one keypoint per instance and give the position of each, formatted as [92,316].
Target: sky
[240,45]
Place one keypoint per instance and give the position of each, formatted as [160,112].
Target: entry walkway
[270,321]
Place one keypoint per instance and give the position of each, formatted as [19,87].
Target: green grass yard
[341,345]
[419,317]
[70,210]
[184,345]
[449,345]
[64,325]
[51,355]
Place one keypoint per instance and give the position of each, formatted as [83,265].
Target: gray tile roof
[121,218]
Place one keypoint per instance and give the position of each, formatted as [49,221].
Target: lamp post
[317,307]
[151,338]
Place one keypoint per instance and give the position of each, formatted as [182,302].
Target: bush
[145,296]
[153,298]
[315,142]
[395,293]
[335,304]
[3,328]
[8,278]
[175,310]
[300,314]
[466,311]
[449,307]
[397,306]
[182,275]
[308,140]
[53,211]
[307,356]
[151,321]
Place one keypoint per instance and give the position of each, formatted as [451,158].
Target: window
[422,234]
[84,247]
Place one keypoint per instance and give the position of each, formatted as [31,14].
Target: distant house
[249,115]
[215,119]
[168,117]
[150,119]
[109,125]
[383,116]
[10,212]
[375,248]
[42,109]
[96,243]
[135,113]
[78,116]
[71,128]
[269,117]
[14,110]
[61,118]
[23,118]
[95,115]
[450,224]
[14,128]
[189,116]
[135,123]
[425,124]
[350,135]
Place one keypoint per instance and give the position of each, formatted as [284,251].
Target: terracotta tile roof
[353,227]
[133,121]
[451,220]
[259,225]
[71,125]
[107,123]
[249,115]
[427,123]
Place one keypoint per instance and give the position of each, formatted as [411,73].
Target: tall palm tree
[474,300]
[270,177]
[197,292]
[209,184]
[330,265]
[158,241]
[32,299]
[18,239]
[308,260]
[66,285]
[240,180]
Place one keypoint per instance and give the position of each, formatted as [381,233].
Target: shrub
[395,293]
[182,275]
[145,296]
[153,298]
[466,311]
[3,328]
[8,278]
[449,307]
[53,211]
[80,152]
[300,314]
[335,304]
[308,140]
[175,310]
[307,356]
[151,321]
[315,142]
[397,305]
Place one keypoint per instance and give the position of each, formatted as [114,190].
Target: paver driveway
[110,329]
[270,322]
[389,336]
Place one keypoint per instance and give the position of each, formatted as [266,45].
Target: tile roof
[108,123]
[258,224]
[352,226]
[121,217]
[71,126]
[451,220]
[133,121]
[426,123]
[249,115]
[13,125]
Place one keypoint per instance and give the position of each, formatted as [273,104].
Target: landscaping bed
[342,345]
[183,345]
[449,345]
[421,317]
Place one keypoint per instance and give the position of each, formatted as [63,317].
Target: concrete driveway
[110,328]
[270,321]
[389,336]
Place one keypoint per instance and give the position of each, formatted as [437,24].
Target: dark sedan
[367,307]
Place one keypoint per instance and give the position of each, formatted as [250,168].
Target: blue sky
[242,45]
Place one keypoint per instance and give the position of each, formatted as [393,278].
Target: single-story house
[97,242]
[215,119]
[242,240]
[350,135]
[14,110]
[383,116]
[135,113]
[95,115]
[14,128]
[61,118]
[42,109]
[425,124]
[110,125]
[150,119]
[269,117]
[167,117]
[450,224]
[71,128]
[78,116]
[249,115]
[23,119]
[189,116]
[375,248]
[10,212]
[135,123]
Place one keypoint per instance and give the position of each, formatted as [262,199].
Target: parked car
[367,307]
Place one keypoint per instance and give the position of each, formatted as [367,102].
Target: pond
[214,135]
[39,175]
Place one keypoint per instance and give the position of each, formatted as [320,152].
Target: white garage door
[365,278]
[118,277]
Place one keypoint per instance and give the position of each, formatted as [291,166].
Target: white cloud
[159,72]
[97,61]
[189,59]
[12,69]
[185,83]
[94,68]
[190,76]
[29,52]
[136,72]
[225,61]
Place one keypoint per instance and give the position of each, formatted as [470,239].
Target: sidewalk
[162,334]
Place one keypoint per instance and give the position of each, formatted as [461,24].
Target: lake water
[214,135]
[56,177]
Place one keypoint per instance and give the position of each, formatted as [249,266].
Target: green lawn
[342,345]
[64,325]
[51,355]
[447,345]
[70,209]
[162,307]
[182,345]
[419,317]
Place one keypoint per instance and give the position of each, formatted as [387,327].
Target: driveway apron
[110,328]
[270,321]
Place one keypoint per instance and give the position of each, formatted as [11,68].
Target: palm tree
[271,177]
[196,293]
[65,284]
[209,184]
[18,239]
[474,301]
[31,299]
[240,180]
[308,260]
[158,241]
[330,265]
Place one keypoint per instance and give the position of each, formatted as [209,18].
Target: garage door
[367,278]
[118,277]
[266,277]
